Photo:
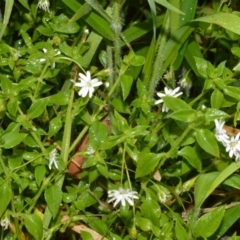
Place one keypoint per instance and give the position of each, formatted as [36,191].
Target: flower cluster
[122,195]
[168,92]
[232,144]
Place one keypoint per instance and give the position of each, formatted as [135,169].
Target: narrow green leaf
[5,192]
[167,5]
[230,217]
[207,183]
[53,197]
[39,174]
[216,99]
[207,141]
[7,14]
[34,225]
[126,84]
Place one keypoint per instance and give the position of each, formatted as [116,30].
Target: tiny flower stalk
[159,60]
[64,153]
[116,26]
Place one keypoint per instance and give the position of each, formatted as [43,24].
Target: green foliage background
[188,186]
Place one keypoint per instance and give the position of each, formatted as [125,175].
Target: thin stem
[40,79]
[64,153]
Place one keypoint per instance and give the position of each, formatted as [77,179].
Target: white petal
[83,92]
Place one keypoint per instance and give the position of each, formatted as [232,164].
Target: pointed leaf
[34,225]
[53,197]
[209,222]
[37,108]
[207,141]
[5,192]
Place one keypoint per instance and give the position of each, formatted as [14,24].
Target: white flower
[168,92]
[122,195]
[53,159]
[233,147]
[44,5]
[5,223]
[221,134]
[87,84]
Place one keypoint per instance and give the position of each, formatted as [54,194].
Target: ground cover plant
[119,119]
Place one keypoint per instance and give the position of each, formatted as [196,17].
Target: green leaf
[86,235]
[54,126]
[126,84]
[167,5]
[207,141]
[232,92]
[150,209]
[53,197]
[209,222]
[187,115]
[143,223]
[216,99]
[13,139]
[232,23]
[37,108]
[147,163]
[98,133]
[6,86]
[34,225]
[12,106]
[233,181]
[207,183]
[39,174]
[60,98]
[212,114]
[180,231]
[230,217]
[192,157]
[175,104]
[5,192]
[63,25]
[121,122]
[202,66]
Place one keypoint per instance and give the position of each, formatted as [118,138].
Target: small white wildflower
[44,5]
[233,147]
[168,92]
[53,159]
[86,31]
[221,134]
[87,84]
[5,223]
[122,195]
